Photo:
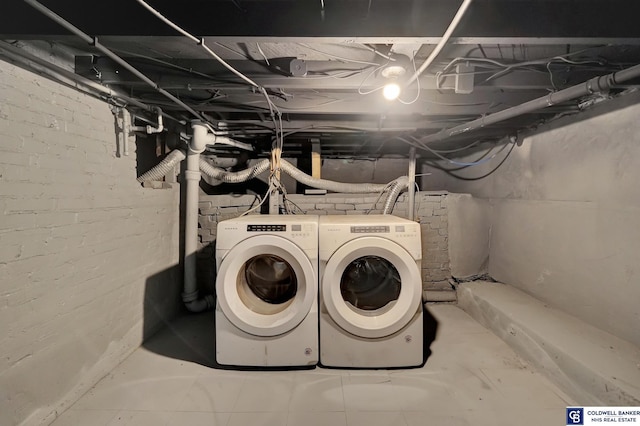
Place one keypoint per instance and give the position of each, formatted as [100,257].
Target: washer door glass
[270,278]
[370,283]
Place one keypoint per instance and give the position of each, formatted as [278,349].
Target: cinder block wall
[431,211]
[85,251]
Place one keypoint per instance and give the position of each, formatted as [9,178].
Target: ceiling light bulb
[391,91]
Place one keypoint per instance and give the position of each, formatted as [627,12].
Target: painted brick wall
[431,211]
[85,252]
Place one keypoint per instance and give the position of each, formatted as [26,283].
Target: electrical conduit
[589,87]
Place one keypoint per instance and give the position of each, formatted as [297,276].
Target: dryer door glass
[370,283]
[271,279]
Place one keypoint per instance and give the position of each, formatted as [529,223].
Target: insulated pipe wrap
[164,167]
[233,177]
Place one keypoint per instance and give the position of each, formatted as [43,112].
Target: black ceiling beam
[291,18]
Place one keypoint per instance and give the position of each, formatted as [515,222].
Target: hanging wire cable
[276,155]
[451,173]
[340,58]
[262,53]
[445,38]
[454,162]
[413,61]
[199,41]
[450,151]
[377,52]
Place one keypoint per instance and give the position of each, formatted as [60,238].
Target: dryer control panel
[267,228]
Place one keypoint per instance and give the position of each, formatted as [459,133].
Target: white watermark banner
[603,415]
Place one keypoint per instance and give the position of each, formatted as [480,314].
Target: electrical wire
[485,175]
[262,200]
[450,151]
[454,162]
[93,41]
[445,38]
[508,67]
[199,41]
[376,51]
[262,53]
[234,51]
[340,58]
[380,194]
[366,78]
[272,107]
[413,61]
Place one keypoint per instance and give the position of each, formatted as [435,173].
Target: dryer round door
[266,285]
[371,287]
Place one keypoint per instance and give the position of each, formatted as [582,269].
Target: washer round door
[371,287]
[266,285]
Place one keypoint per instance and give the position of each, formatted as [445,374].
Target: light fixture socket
[397,68]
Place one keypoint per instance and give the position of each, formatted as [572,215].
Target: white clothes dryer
[371,312]
[266,288]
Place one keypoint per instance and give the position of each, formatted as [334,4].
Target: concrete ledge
[592,366]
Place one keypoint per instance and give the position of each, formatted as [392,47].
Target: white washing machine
[370,292]
[266,288]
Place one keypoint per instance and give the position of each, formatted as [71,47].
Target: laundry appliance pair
[298,290]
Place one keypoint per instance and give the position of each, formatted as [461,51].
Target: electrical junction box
[464,79]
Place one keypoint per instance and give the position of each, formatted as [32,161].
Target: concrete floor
[471,378]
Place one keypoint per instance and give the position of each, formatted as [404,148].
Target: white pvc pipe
[192,180]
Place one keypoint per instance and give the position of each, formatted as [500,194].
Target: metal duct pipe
[93,41]
[594,85]
[164,167]
[398,186]
[233,177]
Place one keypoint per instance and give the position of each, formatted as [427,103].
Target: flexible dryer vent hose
[398,185]
[164,167]
[233,177]
[329,185]
[169,162]
[394,188]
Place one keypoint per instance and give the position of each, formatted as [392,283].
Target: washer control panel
[370,230]
[267,228]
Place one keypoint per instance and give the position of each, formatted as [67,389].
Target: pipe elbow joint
[200,305]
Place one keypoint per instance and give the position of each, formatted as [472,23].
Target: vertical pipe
[192,194]
[126,126]
[192,178]
[412,183]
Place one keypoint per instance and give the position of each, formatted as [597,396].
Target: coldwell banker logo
[575,416]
